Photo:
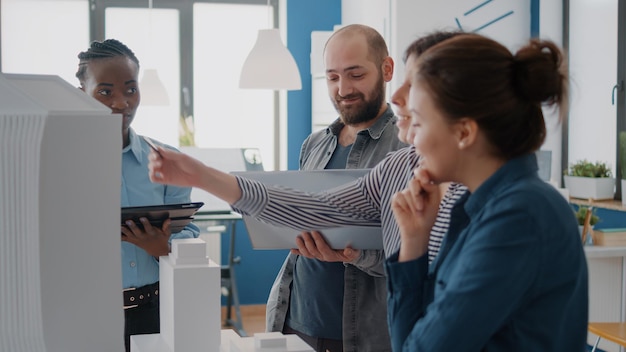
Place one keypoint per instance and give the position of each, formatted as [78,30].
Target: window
[593,72]
[153,35]
[595,32]
[35,42]
[197,47]
[226,116]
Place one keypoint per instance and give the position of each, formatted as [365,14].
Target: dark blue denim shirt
[511,274]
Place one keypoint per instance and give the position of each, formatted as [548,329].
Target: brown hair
[476,77]
[377,48]
[420,45]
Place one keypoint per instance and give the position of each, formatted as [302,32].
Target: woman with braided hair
[511,274]
[108,71]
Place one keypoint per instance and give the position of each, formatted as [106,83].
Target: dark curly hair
[101,50]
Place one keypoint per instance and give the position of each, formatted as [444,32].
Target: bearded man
[340,303]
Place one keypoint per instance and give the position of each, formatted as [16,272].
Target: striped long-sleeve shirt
[364,202]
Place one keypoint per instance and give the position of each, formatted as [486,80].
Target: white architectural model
[60,166]
[60,270]
[191,313]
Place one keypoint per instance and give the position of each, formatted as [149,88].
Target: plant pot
[595,188]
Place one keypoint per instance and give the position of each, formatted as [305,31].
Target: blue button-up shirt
[138,267]
[511,274]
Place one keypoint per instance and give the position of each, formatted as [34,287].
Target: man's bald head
[377,48]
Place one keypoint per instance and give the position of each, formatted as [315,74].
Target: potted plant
[581,213]
[622,160]
[589,180]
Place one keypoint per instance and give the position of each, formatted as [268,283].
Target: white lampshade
[152,89]
[270,65]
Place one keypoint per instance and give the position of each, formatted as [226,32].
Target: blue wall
[534,18]
[258,268]
[303,17]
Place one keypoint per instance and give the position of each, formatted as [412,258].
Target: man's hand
[313,245]
[151,239]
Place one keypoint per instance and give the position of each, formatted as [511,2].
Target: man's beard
[366,110]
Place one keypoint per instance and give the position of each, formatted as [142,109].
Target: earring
[461,144]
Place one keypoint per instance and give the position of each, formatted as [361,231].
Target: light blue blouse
[138,267]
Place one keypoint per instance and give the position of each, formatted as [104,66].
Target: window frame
[619,93]
[97,10]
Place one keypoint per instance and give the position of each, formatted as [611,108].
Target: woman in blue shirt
[108,72]
[511,274]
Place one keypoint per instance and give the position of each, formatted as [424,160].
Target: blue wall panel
[534,19]
[303,17]
[256,270]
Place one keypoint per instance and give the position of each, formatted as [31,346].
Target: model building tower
[189,289]
[190,297]
[60,270]
[191,313]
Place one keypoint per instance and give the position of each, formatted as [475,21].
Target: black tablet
[180,214]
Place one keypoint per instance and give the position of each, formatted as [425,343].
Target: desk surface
[615,332]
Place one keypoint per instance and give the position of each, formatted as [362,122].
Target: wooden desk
[615,332]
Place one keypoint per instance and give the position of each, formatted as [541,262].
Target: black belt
[134,297]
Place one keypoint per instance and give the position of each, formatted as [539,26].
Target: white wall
[403,21]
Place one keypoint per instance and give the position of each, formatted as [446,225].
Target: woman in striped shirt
[364,202]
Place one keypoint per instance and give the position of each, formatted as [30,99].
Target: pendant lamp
[151,87]
[270,65]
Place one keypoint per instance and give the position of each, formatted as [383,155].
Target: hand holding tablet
[180,214]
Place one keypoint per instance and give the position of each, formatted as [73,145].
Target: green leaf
[586,168]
